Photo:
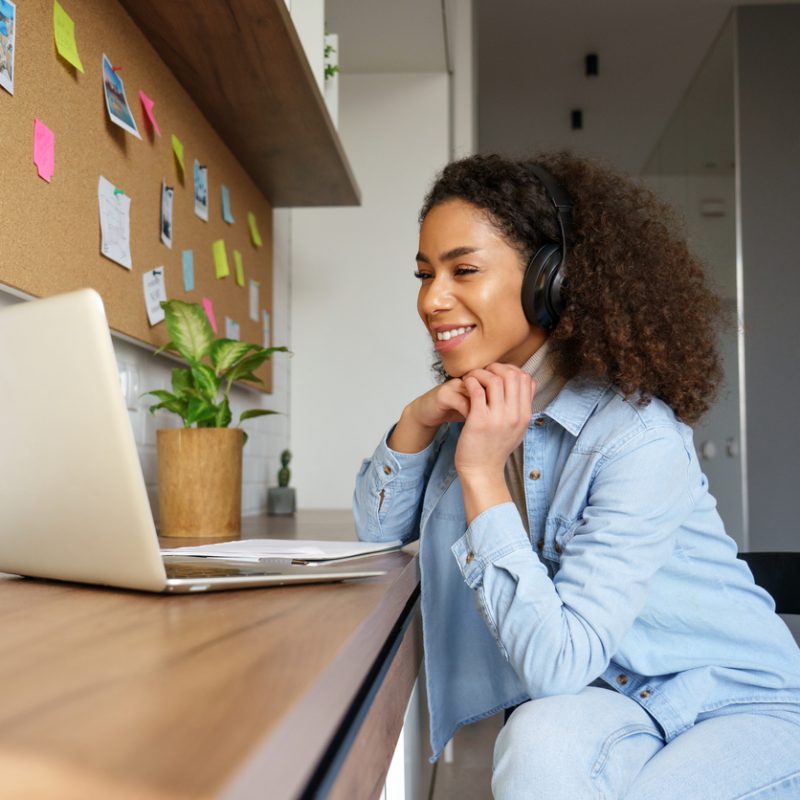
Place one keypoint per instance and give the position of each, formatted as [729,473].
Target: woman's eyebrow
[456,252]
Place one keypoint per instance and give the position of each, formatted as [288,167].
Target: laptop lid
[73,503]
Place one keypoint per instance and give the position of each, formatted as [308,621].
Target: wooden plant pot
[200,481]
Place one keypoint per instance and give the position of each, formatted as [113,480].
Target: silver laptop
[73,503]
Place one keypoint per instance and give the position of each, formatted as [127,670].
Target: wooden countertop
[116,694]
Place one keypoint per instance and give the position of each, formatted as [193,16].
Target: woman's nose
[435,296]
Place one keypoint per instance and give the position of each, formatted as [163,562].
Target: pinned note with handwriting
[155,293]
[115,223]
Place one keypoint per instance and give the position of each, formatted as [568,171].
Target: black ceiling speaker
[576,117]
[591,64]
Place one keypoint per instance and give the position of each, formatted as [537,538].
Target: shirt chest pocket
[552,542]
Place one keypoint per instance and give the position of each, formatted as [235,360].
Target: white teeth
[445,336]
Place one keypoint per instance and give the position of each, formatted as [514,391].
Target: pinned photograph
[116,101]
[201,190]
[8,26]
[166,214]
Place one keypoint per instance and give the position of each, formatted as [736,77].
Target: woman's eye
[466,270]
[422,275]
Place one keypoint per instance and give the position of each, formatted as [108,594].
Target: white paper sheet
[284,549]
[115,223]
[154,293]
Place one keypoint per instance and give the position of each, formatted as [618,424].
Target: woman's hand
[500,398]
[422,417]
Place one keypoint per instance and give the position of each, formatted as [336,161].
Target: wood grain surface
[117,694]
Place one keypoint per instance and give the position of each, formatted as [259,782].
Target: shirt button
[644,694]
[387,469]
[557,547]
[539,421]
[470,557]
[540,544]
[534,474]
[622,679]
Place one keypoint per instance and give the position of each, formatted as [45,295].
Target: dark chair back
[779,574]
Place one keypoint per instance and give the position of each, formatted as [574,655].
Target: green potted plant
[281,498]
[200,464]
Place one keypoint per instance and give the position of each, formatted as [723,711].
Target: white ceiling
[530,57]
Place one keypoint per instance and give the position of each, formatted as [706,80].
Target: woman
[573,562]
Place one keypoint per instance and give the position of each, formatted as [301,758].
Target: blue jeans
[601,745]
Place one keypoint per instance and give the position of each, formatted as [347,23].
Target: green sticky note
[239,267]
[254,234]
[177,148]
[220,259]
[64,30]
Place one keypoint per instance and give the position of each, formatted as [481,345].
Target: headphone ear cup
[541,287]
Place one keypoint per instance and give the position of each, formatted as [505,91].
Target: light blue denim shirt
[628,576]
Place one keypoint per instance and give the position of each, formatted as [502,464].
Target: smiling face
[469,295]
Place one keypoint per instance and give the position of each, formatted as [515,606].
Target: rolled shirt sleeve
[389,489]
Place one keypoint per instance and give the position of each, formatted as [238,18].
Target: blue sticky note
[226,205]
[188,270]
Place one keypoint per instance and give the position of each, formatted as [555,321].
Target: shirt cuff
[494,533]
[390,463]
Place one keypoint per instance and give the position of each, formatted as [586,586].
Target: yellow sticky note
[177,148]
[239,267]
[64,30]
[220,259]
[254,234]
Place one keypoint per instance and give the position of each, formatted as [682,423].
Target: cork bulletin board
[50,232]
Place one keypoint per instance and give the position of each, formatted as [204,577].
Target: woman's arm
[387,501]
[560,634]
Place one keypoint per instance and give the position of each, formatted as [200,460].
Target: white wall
[361,352]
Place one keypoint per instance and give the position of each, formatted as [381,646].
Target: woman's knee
[570,745]
[539,746]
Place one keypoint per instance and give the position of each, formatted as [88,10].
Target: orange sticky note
[148,104]
[44,150]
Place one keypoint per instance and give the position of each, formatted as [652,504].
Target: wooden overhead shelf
[243,65]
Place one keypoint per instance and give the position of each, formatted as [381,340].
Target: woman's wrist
[482,489]
[410,436]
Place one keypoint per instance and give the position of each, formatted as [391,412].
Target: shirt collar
[575,403]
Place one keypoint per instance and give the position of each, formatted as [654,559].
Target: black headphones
[543,298]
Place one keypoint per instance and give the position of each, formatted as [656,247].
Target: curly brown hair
[639,311]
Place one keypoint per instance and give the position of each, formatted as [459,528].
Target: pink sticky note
[208,306]
[44,150]
[148,104]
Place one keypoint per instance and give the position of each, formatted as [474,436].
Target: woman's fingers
[492,383]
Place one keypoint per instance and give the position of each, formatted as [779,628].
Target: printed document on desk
[310,551]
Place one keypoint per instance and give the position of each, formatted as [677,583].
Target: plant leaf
[248,364]
[250,377]
[189,329]
[224,415]
[206,381]
[225,354]
[200,411]
[169,402]
[182,383]
[255,412]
